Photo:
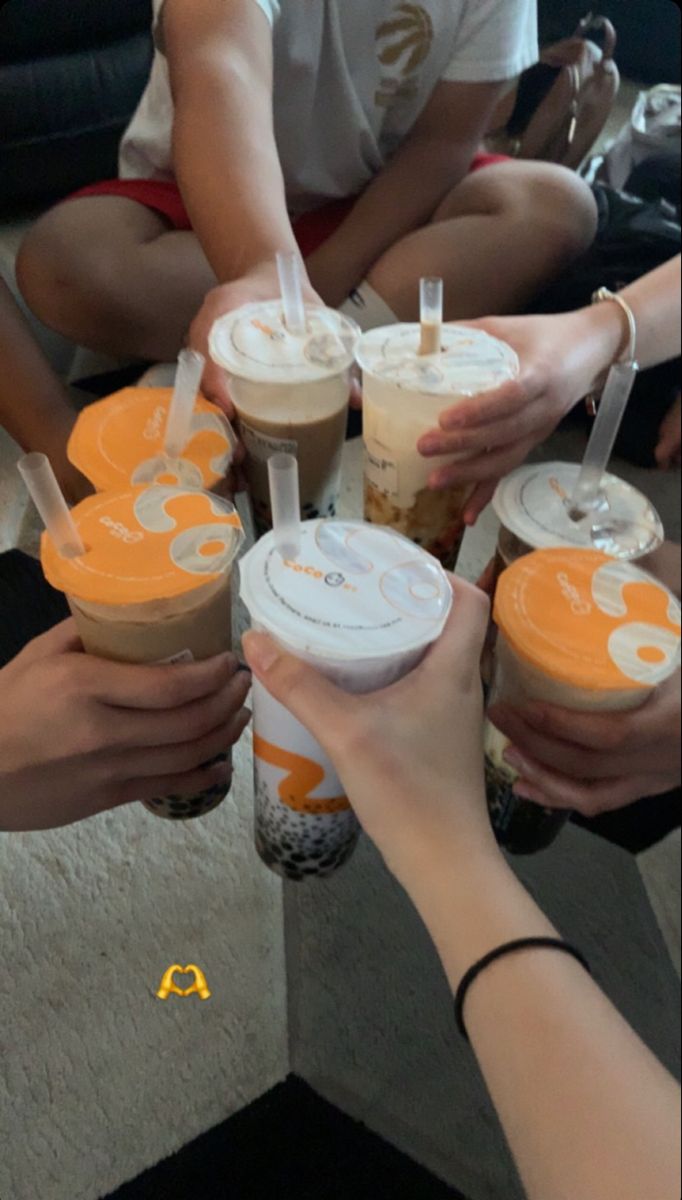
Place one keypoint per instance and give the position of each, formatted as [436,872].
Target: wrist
[605,332]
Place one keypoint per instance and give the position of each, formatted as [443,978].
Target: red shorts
[311,230]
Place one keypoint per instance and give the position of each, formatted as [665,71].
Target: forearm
[587,1110]
[655,302]
[34,404]
[226,161]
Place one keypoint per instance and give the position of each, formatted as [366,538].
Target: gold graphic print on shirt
[403,43]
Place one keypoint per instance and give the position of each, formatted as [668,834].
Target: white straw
[614,401]
[285,504]
[288,269]
[36,472]
[187,380]
[431,315]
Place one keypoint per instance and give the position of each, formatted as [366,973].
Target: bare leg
[110,274]
[34,405]
[497,238]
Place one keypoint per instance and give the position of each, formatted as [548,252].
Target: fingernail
[525,793]
[513,758]
[261,652]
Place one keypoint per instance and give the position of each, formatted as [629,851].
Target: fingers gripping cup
[404,392]
[535,510]
[291,394]
[362,605]
[153,586]
[581,630]
[120,442]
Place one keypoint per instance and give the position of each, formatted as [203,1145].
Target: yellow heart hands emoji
[169,987]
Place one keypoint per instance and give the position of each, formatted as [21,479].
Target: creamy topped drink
[120,441]
[153,586]
[362,604]
[535,511]
[291,394]
[581,630]
[404,392]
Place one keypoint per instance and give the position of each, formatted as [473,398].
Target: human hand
[594,762]
[561,359]
[409,756]
[79,734]
[669,449]
[260,283]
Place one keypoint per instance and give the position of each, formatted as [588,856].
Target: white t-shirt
[350,79]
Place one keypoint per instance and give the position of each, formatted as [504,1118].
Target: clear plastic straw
[187,379]
[431,315]
[285,504]
[36,472]
[289,271]
[614,401]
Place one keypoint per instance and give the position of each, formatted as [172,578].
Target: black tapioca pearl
[298,858]
[156,803]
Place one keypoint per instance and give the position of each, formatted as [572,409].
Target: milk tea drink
[581,630]
[153,586]
[119,442]
[362,604]
[534,507]
[404,392]
[291,396]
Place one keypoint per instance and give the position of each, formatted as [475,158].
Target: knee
[562,209]
[50,268]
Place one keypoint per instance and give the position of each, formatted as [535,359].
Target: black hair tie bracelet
[533,943]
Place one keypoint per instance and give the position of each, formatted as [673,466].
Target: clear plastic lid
[145,544]
[471,361]
[533,503]
[254,343]
[355,592]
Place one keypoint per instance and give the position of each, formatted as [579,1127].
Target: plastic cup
[154,586]
[581,630]
[534,507]
[362,604]
[404,393]
[120,441]
[291,395]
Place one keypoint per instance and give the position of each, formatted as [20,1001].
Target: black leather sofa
[71,73]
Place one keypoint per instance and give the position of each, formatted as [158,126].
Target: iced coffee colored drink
[362,604]
[119,441]
[404,393]
[581,630]
[291,396]
[153,586]
[535,512]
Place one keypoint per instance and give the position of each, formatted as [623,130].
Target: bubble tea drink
[535,511]
[291,393]
[121,441]
[362,604]
[153,586]
[404,392]
[581,630]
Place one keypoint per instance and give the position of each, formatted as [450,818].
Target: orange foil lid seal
[120,441]
[589,621]
[145,544]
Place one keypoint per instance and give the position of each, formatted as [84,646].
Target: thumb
[457,653]
[214,385]
[318,704]
[61,639]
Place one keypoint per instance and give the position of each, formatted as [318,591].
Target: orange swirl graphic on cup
[303,777]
